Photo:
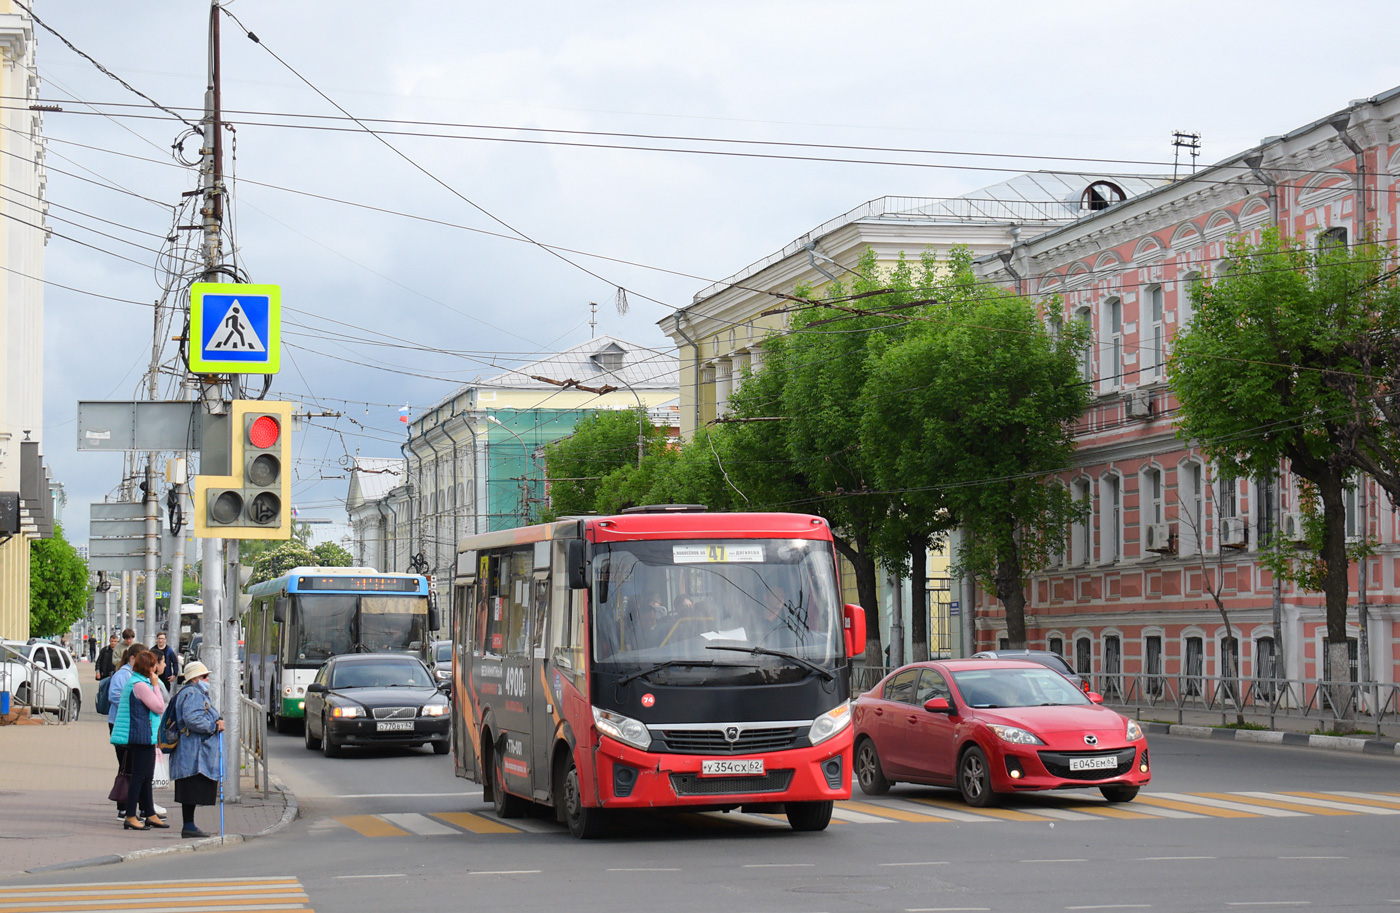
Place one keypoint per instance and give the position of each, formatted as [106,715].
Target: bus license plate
[394,726]
[724,767]
[1104,763]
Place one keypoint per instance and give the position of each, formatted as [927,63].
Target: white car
[41,675]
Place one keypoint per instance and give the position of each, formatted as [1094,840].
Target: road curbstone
[1353,744]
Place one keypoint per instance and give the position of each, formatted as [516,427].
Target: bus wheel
[507,805]
[584,823]
[809,816]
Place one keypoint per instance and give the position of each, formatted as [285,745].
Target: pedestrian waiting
[195,764]
[138,717]
[115,686]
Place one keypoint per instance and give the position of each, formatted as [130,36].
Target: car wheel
[22,694]
[507,805]
[441,747]
[975,779]
[868,771]
[311,743]
[329,748]
[584,823]
[809,816]
[72,707]
[1119,793]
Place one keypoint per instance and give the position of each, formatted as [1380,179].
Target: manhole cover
[840,888]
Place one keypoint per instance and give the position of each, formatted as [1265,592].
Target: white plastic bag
[162,777]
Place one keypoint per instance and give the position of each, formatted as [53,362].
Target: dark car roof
[377,657]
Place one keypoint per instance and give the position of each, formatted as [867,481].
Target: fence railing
[27,683]
[252,742]
[1264,701]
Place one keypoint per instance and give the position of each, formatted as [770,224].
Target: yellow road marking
[1111,811]
[882,811]
[157,900]
[1286,806]
[1349,800]
[477,824]
[372,826]
[144,892]
[1195,809]
[144,887]
[1005,814]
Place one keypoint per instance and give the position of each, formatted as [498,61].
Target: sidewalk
[54,809]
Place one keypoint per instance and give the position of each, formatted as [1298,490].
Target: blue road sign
[237,328]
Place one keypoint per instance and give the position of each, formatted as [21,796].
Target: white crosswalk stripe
[1232,806]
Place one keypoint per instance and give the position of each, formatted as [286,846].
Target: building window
[1354,521]
[1229,500]
[1265,670]
[1056,645]
[1332,239]
[1111,521]
[1084,656]
[1152,651]
[1195,666]
[1191,508]
[1087,364]
[1184,308]
[1080,533]
[1112,374]
[1112,667]
[1156,356]
[1101,195]
[1154,509]
[1266,493]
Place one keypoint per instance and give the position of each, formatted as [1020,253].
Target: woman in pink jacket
[138,719]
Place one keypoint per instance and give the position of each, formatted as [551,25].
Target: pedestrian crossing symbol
[235,329]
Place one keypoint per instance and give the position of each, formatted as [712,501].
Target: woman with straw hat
[195,763]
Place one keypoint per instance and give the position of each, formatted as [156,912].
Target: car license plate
[1107,762]
[723,767]
[396,726]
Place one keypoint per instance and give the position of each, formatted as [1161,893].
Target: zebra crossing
[204,895]
[925,809]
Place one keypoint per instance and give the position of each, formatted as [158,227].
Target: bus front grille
[775,781]
[713,741]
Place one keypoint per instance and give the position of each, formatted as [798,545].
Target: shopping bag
[162,776]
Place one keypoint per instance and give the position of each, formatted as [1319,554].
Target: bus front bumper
[629,778]
[293,708]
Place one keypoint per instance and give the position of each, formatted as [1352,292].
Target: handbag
[121,786]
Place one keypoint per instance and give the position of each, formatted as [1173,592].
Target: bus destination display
[359,584]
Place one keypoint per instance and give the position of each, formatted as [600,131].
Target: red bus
[663,658]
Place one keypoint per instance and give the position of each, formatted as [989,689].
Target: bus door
[542,702]
[512,615]
[463,748]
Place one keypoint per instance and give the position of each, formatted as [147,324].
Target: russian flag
[403,413]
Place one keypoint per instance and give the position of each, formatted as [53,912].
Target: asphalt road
[394,830]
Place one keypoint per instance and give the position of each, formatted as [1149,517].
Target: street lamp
[525,471]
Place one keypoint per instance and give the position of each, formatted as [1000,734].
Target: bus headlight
[829,723]
[623,728]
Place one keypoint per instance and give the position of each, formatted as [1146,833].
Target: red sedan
[994,726]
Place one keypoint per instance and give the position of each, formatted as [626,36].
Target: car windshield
[988,688]
[385,673]
[442,652]
[670,602]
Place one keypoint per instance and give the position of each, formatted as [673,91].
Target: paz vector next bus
[666,657]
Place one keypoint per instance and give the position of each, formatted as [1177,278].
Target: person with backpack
[192,726]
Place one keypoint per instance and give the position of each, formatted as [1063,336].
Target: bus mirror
[576,563]
[854,630]
[279,610]
[434,618]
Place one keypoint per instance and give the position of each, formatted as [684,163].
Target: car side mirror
[445,687]
[316,688]
[1095,697]
[938,705]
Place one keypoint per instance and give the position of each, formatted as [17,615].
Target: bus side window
[517,593]
[541,613]
[565,629]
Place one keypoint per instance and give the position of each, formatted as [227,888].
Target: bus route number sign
[716,554]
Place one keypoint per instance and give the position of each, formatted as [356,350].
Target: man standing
[172,661]
[107,659]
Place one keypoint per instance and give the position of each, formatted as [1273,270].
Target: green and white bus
[296,622]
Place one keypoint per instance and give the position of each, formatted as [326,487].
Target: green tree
[969,416]
[329,554]
[1256,379]
[280,559]
[58,585]
[600,444]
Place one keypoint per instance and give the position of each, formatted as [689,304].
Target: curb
[289,813]
[1276,737]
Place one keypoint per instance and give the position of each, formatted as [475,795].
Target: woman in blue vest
[195,764]
[138,719]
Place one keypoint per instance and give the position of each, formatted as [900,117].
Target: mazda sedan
[990,727]
[376,699]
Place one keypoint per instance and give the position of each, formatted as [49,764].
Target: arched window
[1195,666]
[1080,532]
[1101,195]
[1332,239]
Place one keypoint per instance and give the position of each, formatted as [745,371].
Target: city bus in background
[296,622]
[665,657]
[191,625]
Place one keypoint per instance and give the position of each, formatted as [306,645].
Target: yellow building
[26,504]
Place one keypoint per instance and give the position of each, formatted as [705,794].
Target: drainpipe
[1253,161]
[1339,123]
[437,484]
[695,346]
[811,248]
[408,480]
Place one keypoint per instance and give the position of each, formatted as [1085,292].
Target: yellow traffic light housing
[254,500]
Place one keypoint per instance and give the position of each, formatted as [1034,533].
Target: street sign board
[139,425]
[235,328]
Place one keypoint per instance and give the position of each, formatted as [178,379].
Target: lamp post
[525,471]
[641,415]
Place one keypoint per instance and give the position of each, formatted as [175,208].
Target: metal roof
[595,363]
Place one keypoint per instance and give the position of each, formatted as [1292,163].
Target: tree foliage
[329,554]
[281,558]
[601,444]
[58,585]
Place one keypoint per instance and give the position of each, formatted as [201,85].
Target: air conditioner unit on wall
[1139,404]
[1234,533]
[1291,527]
[1158,538]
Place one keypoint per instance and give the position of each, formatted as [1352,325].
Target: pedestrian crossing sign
[235,329]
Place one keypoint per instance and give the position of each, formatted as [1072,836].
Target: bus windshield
[323,626]
[736,604]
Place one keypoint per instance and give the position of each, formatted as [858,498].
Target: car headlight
[435,709]
[1134,731]
[623,728]
[829,723]
[1015,735]
[347,713]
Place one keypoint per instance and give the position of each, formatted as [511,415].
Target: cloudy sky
[403,285]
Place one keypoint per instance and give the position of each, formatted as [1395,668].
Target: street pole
[148,627]
[176,475]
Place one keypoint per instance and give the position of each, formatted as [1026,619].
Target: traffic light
[254,500]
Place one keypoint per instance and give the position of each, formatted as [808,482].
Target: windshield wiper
[764,651]
[659,666]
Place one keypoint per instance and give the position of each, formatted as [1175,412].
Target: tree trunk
[867,591]
[1336,588]
[1012,593]
[918,610]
